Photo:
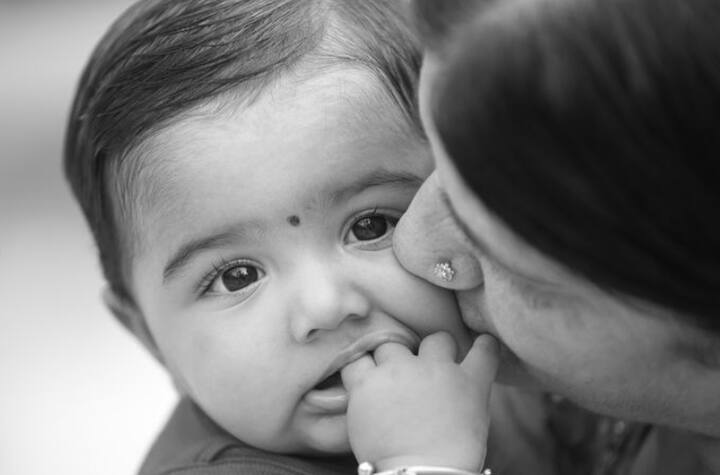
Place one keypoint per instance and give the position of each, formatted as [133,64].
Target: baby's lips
[328,401]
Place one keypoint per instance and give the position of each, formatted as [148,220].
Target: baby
[242,165]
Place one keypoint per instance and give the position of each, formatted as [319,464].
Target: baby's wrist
[389,464]
[367,468]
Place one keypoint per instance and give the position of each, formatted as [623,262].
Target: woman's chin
[515,376]
[512,372]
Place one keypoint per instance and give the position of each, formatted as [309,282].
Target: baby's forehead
[349,100]
[320,120]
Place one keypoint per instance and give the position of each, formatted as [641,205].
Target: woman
[575,210]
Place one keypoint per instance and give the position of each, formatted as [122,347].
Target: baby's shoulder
[192,444]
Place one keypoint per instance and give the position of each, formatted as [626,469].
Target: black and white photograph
[372,237]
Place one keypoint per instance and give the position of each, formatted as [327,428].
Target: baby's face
[266,262]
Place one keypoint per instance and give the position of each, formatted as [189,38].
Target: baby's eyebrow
[378,177]
[187,251]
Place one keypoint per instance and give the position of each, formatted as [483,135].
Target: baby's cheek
[428,309]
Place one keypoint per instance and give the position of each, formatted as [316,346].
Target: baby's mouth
[329,396]
[332,381]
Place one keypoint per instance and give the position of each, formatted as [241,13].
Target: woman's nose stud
[444,271]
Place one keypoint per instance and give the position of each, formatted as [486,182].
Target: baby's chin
[322,436]
[325,436]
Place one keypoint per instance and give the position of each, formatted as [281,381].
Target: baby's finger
[440,345]
[390,350]
[482,360]
[354,372]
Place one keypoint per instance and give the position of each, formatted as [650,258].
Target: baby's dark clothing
[192,444]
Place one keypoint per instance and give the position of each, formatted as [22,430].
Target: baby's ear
[131,318]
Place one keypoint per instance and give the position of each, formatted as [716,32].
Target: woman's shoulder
[673,451]
[540,433]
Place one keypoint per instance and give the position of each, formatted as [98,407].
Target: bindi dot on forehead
[294,220]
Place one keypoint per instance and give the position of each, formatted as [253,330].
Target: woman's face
[609,353]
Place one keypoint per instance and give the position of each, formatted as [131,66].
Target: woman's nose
[429,243]
[326,297]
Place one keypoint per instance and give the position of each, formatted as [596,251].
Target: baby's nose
[325,299]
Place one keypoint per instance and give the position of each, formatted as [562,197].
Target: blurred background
[77,394]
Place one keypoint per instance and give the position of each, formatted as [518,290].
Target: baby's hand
[421,410]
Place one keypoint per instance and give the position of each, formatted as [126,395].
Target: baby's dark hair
[592,129]
[163,57]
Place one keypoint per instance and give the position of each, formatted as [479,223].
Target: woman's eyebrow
[475,240]
[187,251]
[484,249]
[480,245]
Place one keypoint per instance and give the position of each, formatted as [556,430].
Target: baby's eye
[234,278]
[372,227]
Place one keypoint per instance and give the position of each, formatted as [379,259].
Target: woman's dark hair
[592,129]
[163,57]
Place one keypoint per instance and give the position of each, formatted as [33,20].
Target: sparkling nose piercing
[444,271]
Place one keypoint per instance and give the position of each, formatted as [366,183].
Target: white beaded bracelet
[366,468]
